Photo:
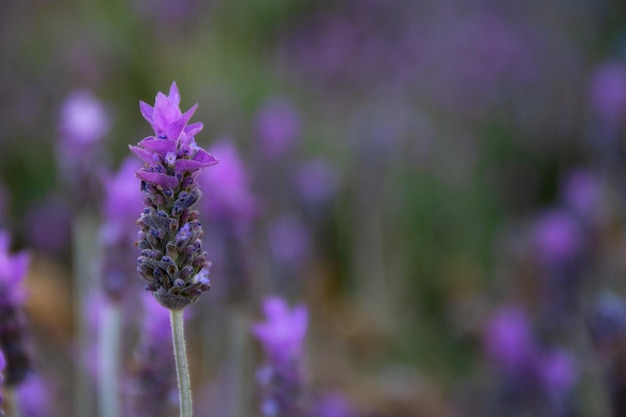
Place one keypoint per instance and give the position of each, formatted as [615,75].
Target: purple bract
[172,262]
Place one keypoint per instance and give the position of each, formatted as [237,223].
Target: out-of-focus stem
[85,256]
[109,359]
[182,367]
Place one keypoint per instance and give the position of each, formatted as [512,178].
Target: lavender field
[336,208]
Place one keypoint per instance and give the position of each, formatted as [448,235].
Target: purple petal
[175,129]
[187,165]
[164,113]
[143,154]
[205,158]
[19,267]
[189,113]
[146,111]
[193,129]
[164,180]
[174,95]
[161,146]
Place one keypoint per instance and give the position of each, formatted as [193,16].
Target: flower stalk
[182,366]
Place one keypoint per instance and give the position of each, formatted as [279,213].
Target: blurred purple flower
[289,239]
[34,397]
[156,326]
[228,184]
[122,204]
[558,372]
[13,269]
[557,237]
[172,262]
[333,405]
[582,191]
[282,337]
[316,181]
[608,324]
[282,334]
[277,127]
[607,92]
[48,225]
[152,385]
[508,339]
[84,121]
[79,150]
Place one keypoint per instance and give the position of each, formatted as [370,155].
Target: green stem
[182,368]
[86,265]
[108,389]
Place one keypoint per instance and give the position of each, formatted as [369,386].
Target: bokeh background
[441,183]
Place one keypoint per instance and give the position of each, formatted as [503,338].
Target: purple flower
[48,225]
[316,181]
[34,397]
[282,337]
[333,405]
[557,237]
[121,206]
[174,269]
[152,385]
[13,269]
[277,126]
[282,334]
[122,203]
[84,120]
[289,239]
[607,92]
[508,339]
[558,372]
[229,185]
[582,191]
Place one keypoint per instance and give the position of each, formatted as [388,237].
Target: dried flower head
[172,261]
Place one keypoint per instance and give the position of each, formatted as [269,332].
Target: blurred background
[441,183]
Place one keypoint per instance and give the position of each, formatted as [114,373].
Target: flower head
[508,339]
[171,250]
[282,334]
[230,186]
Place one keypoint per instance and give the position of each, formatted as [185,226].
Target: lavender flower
[121,205]
[508,340]
[13,269]
[289,240]
[282,337]
[172,261]
[49,225]
[84,122]
[607,92]
[229,184]
[152,385]
[230,211]
[558,373]
[34,397]
[316,181]
[277,125]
